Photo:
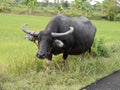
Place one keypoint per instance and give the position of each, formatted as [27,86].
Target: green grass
[11,36]
[20,70]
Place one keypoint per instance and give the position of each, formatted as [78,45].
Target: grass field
[20,70]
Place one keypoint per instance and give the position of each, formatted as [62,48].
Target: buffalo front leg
[64,61]
[65,55]
[48,64]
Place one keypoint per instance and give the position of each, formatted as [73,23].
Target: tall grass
[25,72]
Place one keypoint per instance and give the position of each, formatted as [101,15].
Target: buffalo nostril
[42,55]
[38,55]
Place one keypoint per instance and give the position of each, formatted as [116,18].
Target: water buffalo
[63,34]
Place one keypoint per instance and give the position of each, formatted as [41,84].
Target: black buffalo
[70,36]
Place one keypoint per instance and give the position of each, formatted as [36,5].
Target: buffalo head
[47,40]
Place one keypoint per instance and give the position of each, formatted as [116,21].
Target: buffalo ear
[58,43]
[31,37]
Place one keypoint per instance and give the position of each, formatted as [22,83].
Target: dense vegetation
[109,9]
[20,70]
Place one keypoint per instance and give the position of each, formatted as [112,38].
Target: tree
[58,6]
[46,1]
[82,6]
[98,6]
[31,4]
[110,8]
[65,4]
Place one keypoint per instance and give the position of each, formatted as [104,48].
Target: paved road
[111,82]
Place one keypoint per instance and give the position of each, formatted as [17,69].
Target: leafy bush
[117,18]
[97,16]
[99,48]
[4,7]
[71,12]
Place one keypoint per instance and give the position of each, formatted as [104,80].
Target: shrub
[117,18]
[99,48]
[4,7]
[102,49]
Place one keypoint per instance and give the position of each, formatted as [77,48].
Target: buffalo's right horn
[33,33]
[71,29]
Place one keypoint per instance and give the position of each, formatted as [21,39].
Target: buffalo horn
[63,34]
[33,33]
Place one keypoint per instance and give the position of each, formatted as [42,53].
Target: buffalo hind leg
[89,50]
[82,56]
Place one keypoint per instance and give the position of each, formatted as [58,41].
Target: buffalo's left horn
[33,33]
[63,34]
